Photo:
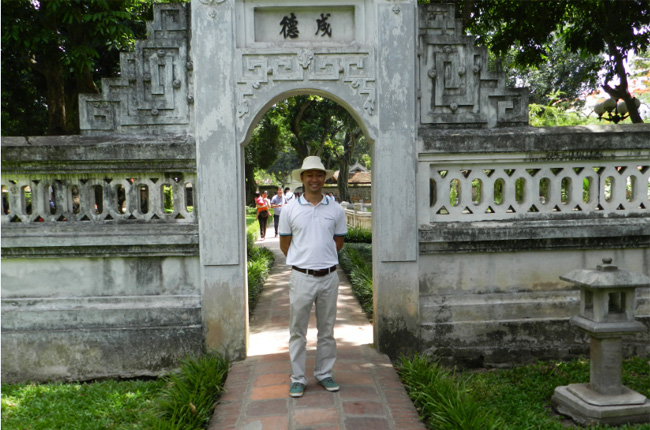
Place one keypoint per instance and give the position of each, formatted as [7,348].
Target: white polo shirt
[312,230]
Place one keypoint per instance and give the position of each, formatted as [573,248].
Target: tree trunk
[342,183]
[621,91]
[251,185]
[55,95]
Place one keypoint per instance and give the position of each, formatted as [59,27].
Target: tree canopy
[609,29]
[56,49]
[301,126]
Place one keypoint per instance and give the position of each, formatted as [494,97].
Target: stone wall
[100,257]
[504,213]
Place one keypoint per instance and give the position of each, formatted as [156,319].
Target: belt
[312,272]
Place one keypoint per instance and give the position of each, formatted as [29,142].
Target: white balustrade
[98,198]
[486,191]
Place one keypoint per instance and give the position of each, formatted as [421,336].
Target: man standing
[277,202]
[311,233]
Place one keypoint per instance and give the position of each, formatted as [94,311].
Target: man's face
[279,191]
[313,180]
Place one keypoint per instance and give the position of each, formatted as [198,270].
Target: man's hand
[339,242]
[285,243]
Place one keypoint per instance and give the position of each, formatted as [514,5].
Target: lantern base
[566,402]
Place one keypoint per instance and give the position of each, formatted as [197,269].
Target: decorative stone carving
[154,90]
[268,68]
[451,95]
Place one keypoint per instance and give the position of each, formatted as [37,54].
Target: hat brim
[296,174]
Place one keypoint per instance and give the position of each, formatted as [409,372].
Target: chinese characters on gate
[290,30]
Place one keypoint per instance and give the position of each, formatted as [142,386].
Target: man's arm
[285,243]
[338,240]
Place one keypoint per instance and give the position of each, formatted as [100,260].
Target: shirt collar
[303,201]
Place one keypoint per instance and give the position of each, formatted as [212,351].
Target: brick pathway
[257,389]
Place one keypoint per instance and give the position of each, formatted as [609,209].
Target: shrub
[191,394]
[442,398]
[356,261]
[358,235]
[260,261]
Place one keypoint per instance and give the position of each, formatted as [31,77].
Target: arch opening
[332,130]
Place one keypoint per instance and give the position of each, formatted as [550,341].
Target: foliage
[260,261]
[443,398]
[586,28]
[99,405]
[266,143]
[54,50]
[308,125]
[522,394]
[561,80]
[356,261]
[515,399]
[358,234]
[191,394]
[553,116]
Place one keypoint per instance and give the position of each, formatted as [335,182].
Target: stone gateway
[100,278]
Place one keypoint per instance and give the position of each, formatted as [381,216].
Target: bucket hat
[311,163]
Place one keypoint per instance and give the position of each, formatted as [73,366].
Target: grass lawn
[98,405]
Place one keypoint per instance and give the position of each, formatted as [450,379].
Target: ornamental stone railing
[100,256]
[358,215]
[504,213]
[486,190]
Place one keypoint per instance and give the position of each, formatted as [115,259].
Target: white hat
[311,163]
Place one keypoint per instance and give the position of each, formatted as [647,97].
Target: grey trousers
[304,291]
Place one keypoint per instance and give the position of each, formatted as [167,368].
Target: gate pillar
[220,179]
[395,235]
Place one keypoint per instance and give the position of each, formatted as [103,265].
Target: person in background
[262,213]
[288,194]
[277,202]
[312,230]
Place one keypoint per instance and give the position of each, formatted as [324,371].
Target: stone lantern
[607,302]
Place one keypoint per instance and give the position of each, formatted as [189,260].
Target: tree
[586,27]
[54,50]
[562,79]
[307,125]
[263,149]
[323,127]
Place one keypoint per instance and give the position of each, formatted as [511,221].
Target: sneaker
[329,384]
[297,389]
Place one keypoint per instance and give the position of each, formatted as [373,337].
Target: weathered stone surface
[154,92]
[475,215]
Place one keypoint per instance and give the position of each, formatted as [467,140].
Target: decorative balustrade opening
[98,198]
[482,192]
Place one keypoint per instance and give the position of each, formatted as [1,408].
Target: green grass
[508,399]
[98,405]
[183,400]
[260,261]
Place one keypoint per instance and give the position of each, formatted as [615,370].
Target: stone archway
[245,59]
